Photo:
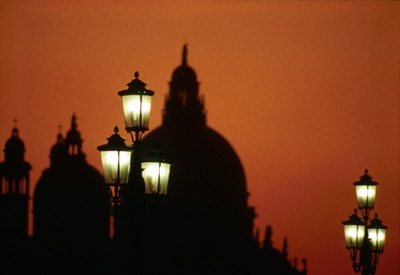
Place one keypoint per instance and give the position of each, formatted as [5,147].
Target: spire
[73,121]
[14,132]
[184,55]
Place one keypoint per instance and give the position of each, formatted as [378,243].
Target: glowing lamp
[156,172]
[354,231]
[136,101]
[377,235]
[366,191]
[116,159]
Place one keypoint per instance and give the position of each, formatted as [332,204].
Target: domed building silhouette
[14,198]
[71,208]
[14,190]
[205,221]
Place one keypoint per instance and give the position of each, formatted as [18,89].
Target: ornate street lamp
[136,101]
[156,170]
[366,191]
[116,158]
[377,235]
[365,242]
[354,232]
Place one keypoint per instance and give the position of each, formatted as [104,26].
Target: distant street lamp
[365,242]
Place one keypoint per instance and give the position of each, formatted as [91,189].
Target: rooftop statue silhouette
[71,209]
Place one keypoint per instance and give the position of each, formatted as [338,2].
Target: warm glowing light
[156,175]
[354,235]
[136,110]
[366,196]
[377,235]
[366,192]
[111,160]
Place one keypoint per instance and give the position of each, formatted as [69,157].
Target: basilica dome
[206,166]
[206,205]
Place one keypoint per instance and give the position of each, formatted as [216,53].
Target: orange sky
[306,92]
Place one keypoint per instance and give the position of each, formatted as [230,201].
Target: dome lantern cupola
[15,148]
[183,103]
[58,152]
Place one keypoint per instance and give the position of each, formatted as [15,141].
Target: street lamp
[121,163]
[354,231]
[365,242]
[136,101]
[366,191]
[156,172]
[377,235]
[116,158]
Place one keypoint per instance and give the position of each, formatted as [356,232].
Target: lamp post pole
[365,241]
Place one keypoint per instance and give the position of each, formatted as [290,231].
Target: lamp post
[116,158]
[365,241]
[122,167]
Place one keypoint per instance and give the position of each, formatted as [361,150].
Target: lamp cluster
[118,158]
[365,241]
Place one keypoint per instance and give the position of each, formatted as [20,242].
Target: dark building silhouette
[71,209]
[14,192]
[14,198]
[205,224]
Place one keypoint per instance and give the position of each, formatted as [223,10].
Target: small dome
[184,74]
[15,148]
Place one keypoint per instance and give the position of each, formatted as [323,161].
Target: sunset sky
[307,93]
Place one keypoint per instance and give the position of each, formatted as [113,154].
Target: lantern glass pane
[134,105]
[156,175]
[110,166]
[366,196]
[354,235]
[377,237]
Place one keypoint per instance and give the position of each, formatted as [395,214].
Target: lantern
[116,159]
[366,190]
[156,172]
[354,231]
[136,101]
[377,235]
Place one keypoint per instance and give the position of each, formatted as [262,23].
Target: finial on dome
[14,131]
[73,122]
[136,74]
[184,55]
